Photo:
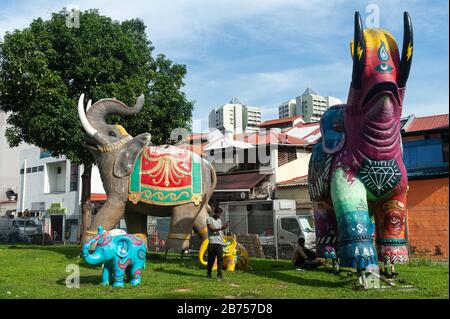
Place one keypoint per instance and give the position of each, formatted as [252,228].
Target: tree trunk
[85,200]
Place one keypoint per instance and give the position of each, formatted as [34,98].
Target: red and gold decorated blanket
[166,175]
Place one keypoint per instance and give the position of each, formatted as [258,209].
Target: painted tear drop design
[382,53]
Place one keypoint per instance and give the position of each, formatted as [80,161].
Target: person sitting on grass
[216,242]
[303,257]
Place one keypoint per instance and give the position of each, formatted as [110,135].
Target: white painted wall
[9,161]
[96,181]
[296,168]
[37,187]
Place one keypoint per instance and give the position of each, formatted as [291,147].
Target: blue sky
[266,52]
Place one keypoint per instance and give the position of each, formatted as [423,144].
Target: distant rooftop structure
[309,91]
[285,122]
[235,100]
[236,117]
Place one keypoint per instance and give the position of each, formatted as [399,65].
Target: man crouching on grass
[216,242]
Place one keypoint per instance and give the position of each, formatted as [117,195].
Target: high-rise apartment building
[235,117]
[310,106]
[287,109]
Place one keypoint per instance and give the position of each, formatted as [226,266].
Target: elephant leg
[356,247]
[107,217]
[391,237]
[106,273]
[135,273]
[181,223]
[326,230]
[137,225]
[118,277]
[200,223]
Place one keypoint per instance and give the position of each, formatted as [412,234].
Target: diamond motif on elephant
[380,177]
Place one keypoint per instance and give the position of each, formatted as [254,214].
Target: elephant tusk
[82,115]
[88,106]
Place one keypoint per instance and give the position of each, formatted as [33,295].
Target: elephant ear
[127,156]
[319,171]
[123,246]
[332,129]
[230,242]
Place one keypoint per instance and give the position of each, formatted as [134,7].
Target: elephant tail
[202,251]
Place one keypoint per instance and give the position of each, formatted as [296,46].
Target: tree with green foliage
[45,67]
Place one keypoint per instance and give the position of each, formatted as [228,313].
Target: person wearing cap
[216,241]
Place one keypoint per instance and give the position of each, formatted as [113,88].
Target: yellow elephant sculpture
[234,254]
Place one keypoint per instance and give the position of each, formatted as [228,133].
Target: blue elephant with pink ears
[120,253]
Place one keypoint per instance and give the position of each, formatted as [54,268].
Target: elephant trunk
[94,258]
[97,113]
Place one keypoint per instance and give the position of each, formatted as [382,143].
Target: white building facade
[287,109]
[310,106]
[9,169]
[235,117]
[50,184]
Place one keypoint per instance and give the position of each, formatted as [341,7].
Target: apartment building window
[74,171]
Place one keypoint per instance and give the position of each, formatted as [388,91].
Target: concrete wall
[428,210]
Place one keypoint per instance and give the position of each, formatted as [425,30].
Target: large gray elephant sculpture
[122,161]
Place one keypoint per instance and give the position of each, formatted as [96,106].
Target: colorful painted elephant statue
[141,179]
[120,253]
[357,178]
[234,254]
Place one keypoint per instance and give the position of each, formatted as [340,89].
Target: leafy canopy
[44,68]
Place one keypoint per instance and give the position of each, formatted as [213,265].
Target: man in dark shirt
[303,257]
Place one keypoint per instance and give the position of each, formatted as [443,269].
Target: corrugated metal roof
[296,181]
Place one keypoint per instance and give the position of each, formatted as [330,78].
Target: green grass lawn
[40,272]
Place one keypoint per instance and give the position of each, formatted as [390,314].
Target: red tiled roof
[426,123]
[269,137]
[283,138]
[196,136]
[278,121]
[97,197]
[296,181]
[239,181]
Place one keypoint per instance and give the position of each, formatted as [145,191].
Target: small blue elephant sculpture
[120,253]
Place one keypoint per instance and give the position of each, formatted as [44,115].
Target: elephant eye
[112,133]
